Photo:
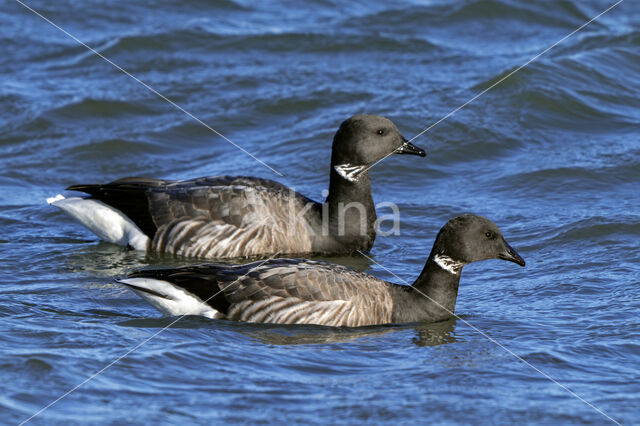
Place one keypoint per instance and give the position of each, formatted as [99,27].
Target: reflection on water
[433,334]
[311,334]
[357,261]
[186,322]
[104,258]
[426,334]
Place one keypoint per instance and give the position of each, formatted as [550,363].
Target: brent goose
[300,291]
[238,216]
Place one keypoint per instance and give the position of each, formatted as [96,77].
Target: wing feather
[222,211]
[310,292]
[240,222]
[286,291]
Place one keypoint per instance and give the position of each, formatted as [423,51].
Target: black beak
[409,148]
[511,255]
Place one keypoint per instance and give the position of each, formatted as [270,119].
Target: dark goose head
[469,238]
[364,139]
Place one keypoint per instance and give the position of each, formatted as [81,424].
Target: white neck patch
[349,171]
[448,264]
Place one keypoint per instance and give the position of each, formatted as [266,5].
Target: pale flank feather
[246,222]
[308,292]
[279,291]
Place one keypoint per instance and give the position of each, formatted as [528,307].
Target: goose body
[300,291]
[241,216]
[283,291]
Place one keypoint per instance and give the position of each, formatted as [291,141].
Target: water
[551,155]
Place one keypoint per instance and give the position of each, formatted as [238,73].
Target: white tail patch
[107,223]
[349,171]
[169,299]
[448,264]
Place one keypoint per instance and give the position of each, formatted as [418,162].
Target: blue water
[551,154]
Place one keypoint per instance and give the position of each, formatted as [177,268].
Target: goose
[301,291]
[243,217]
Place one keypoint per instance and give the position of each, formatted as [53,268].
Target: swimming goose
[238,216]
[300,291]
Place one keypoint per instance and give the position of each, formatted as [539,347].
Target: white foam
[107,223]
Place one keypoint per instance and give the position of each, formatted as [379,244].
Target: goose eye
[488,234]
[381,132]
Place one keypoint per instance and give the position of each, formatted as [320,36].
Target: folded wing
[284,291]
[218,216]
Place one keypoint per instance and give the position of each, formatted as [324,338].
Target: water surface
[551,155]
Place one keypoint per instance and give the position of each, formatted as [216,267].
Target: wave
[111,148]
[571,93]
[99,108]
[331,41]
[560,180]
[557,14]
[597,229]
[601,41]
